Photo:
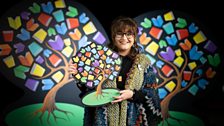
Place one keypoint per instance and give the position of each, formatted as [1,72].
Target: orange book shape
[26,60]
[31,26]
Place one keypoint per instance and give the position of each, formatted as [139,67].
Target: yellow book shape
[152,48]
[169,16]
[40,35]
[192,65]
[37,70]
[67,51]
[199,37]
[9,61]
[170,86]
[60,4]
[89,28]
[15,23]
[57,77]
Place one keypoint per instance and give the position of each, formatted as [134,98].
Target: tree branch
[171,64]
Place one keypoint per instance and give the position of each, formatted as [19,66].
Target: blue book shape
[47,84]
[25,35]
[158,22]
[199,72]
[192,28]
[47,8]
[83,41]
[83,18]
[194,54]
[159,64]
[59,16]
[61,29]
[171,40]
[47,52]
[202,83]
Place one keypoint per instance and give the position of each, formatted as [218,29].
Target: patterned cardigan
[136,112]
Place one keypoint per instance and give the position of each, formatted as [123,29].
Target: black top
[125,68]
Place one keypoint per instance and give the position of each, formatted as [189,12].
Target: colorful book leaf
[31,26]
[156,32]
[83,18]
[181,23]
[47,8]
[168,55]
[72,11]
[15,23]
[146,23]
[158,22]
[194,54]
[35,8]
[214,60]
[167,70]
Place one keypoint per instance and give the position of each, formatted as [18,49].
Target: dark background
[209,104]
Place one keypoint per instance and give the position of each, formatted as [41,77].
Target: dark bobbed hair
[120,24]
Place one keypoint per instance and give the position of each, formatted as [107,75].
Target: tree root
[174,118]
[51,111]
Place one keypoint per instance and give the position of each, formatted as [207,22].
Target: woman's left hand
[124,95]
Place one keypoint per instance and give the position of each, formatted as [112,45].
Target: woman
[138,103]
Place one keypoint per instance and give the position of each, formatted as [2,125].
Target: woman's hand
[72,69]
[124,95]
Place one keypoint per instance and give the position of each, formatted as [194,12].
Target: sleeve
[148,96]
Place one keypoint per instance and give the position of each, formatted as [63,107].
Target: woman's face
[124,41]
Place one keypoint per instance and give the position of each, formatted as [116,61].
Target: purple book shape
[168,55]
[99,38]
[19,47]
[56,44]
[25,15]
[210,46]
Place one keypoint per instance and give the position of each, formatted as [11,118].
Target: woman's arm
[149,98]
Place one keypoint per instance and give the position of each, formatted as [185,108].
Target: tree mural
[38,42]
[39,39]
[95,64]
[181,54]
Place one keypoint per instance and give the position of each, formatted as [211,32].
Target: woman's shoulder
[142,55]
[142,59]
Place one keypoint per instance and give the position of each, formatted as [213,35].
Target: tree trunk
[99,87]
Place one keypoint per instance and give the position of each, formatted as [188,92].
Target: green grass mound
[182,119]
[24,116]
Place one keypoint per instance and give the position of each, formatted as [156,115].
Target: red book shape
[72,23]
[55,60]
[167,70]
[182,33]
[44,19]
[8,35]
[187,75]
[156,32]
